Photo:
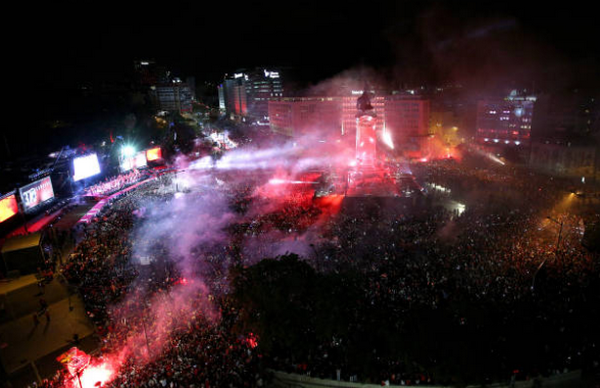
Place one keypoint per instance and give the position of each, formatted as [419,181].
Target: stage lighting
[128,151]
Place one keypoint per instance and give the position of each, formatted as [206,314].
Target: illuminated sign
[85,167]
[36,193]
[271,74]
[8,207]
[153,154]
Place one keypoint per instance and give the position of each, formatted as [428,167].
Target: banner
[36,193]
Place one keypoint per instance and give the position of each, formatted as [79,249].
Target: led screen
[126,164]
[140,160]
[137,161]
[8,207]
[154,154]
[85,167]
[36,193]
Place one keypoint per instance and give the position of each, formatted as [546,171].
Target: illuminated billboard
[36,193]
[137,161]
[153,154]
[8,207]
[85,167]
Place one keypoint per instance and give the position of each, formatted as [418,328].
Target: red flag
[74,360]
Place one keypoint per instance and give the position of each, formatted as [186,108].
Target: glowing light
[252,341]
[8,207]
[276,181]
[85,167]
[440,188]
[154,154]
[387,139]
[423,160]
[495,159]
[128,151]
[182,281]
[96,376]
[271,74]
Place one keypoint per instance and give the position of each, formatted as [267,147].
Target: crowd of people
[501,252]
[114,184]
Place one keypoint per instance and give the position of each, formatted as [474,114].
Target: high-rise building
[564,116]
[296,116]
[565,159]
[406,116]
[401,116]
[172,97]
[148,73]
[245,94]
[505,121]
[565,137]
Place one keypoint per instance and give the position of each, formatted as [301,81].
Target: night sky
[406,40]
[60,46]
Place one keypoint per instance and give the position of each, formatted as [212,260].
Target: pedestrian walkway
[7,286]
[23,341]
[24,297]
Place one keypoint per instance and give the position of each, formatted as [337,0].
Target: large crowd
[493,253]
[114,184]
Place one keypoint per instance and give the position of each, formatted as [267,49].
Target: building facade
[401,116]
[172,97]
[302,115]
[566,159]
[505,121]
[245,95]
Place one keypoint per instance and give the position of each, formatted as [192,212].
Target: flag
[74,360]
